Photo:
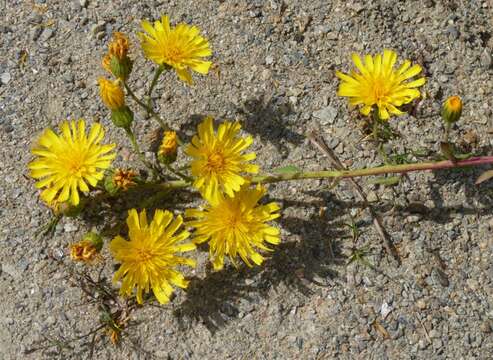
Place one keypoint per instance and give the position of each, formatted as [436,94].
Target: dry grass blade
[320,144]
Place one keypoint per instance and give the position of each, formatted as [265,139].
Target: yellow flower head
[87,249]
[118,47]
[83,251]
[377,83]
[111,93]
[181,47]
[452,109]
[236,226]
[218,160]
[148,260]
[169,144]
[66,163]
[124,179]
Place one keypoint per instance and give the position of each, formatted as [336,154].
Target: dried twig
[334,161]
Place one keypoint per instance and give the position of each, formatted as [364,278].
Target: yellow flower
[119,46]
[169,144]
[236,226]
[124,179]
[148,260]
[218,160]
[181,47]
[83,251]
[68,162]
[111,93]
[452,109]
[87,250]
[377,83]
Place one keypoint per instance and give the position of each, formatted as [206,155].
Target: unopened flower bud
[452,109]
[116,61]
[168,149]
[121,68]
[122,117]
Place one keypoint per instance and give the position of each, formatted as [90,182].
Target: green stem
[159,71]
[387,169]
[147,108]
[447,131]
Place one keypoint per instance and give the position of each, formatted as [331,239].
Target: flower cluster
[233,220]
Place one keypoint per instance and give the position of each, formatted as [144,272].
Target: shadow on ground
[217,298]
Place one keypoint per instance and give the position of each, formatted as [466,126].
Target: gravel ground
[276,62]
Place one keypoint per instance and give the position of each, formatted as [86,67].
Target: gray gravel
[277,62]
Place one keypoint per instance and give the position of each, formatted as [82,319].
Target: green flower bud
[121,68]
[95,239]
[122,117]
[452,109]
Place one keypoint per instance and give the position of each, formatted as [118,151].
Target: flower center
[144,255]
[76,164]
[215,161]
[174,53]
[379,90]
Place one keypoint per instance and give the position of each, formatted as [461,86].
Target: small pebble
[46,34]
[485,59]
[5,78]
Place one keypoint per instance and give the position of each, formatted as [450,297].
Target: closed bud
[452,109]
[122,117]
[108,183]
[95,239]
[121,68]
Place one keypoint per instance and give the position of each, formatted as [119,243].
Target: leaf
[464,156]
[287,169]
[387,181]
[484,177]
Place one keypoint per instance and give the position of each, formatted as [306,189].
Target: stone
[326,115]
[485,59]
[5,78]
[269,60]
[35,32]
[46,34]
[83,3]
[70,227]
[97,28]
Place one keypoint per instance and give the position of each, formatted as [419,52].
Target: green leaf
[464,156]
[287,169]
[387,181]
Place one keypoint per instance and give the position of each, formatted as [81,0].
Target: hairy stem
[380,170]
[158,72]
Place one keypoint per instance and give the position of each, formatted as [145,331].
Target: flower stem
[147,108]
[159,71]
[447,131]
[380,170]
